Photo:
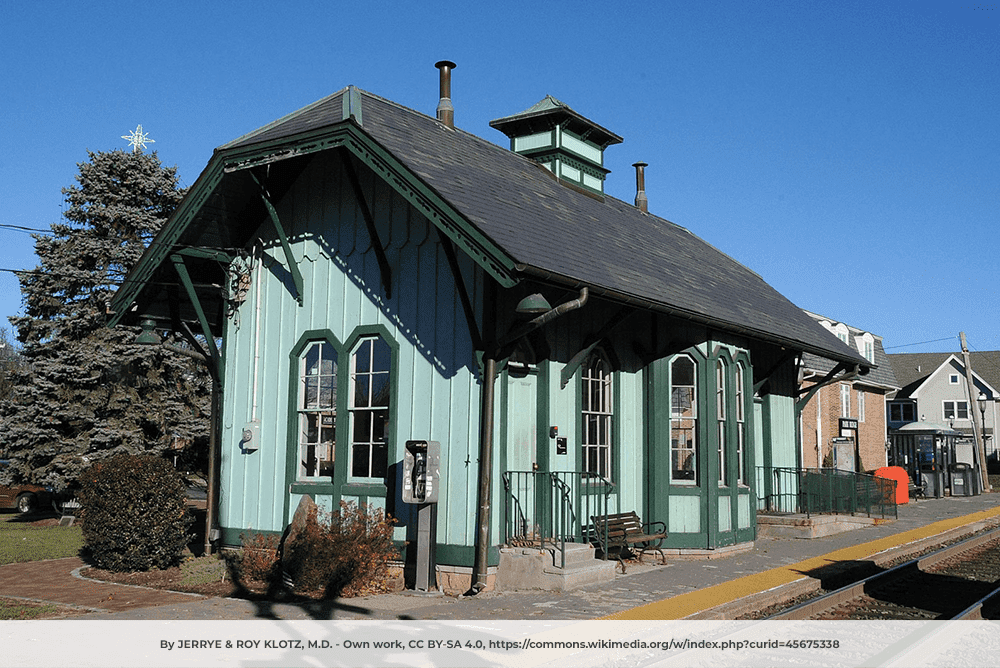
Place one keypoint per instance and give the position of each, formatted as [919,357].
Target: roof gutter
[631,300]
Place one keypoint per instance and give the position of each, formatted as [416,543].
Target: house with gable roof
[843,423]
[933,389]
[378,276]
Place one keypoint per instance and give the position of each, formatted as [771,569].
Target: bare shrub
[344,553]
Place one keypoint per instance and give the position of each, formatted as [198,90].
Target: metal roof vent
[640,186]
[445,110]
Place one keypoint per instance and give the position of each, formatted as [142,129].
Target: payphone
[421,470]
[421,482]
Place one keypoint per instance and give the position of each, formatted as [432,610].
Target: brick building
[843,424]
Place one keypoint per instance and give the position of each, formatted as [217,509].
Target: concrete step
[525,568]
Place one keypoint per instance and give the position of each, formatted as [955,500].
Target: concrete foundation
[814,526]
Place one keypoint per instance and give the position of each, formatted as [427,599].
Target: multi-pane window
[741,427]
[683,420]
[845,400]
[721,417]
[861,406]
[956,410]
[317,410]
[901,412]
[370,389]
[598,409]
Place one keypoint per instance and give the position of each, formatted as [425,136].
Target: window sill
[323,487]
[359,488]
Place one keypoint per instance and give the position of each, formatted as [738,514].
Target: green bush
[345,553]
[133,512]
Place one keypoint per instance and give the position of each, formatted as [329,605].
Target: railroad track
[961,581]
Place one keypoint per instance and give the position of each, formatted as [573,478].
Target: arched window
[683,421]
[371,364]
[598,408]
[317,410]
[722,415]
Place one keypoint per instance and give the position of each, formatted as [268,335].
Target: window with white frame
[956,410]
[370,391]
[953,379]
[741,426]
[598,414]
[721,417]
[845,400]
[683,421]
[317,410]
[861,406]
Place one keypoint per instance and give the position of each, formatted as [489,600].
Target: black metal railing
[550,509]
[824,491]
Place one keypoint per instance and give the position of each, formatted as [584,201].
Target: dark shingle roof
[912,369]
[549,228]
[882,375]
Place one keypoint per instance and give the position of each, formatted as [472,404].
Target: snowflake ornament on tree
[138,139]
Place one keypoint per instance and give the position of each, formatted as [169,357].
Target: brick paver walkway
[53,581]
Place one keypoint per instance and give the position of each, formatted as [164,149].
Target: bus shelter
[927,451]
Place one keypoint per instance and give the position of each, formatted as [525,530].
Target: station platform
[681,589]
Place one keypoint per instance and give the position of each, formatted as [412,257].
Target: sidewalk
[650,591]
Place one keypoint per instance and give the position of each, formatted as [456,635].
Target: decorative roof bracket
[577,361]
[293,267]
[359,195]
[206,330]
[851,372]
[463,292]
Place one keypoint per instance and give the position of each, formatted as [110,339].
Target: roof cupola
[561,140]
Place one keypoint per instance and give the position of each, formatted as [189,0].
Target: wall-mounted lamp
[148,335]
[533,305]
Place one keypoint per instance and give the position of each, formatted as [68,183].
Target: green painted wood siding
[436,393]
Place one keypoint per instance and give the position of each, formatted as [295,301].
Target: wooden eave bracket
[206,330]
[359,195]
[293,266]
[850,372]
[767,376]
[580,357]
[463,292]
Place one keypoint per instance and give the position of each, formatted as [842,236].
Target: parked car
[24,498]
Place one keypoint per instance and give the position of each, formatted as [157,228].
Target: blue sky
[848,152]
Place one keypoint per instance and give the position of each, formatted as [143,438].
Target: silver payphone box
[421,471]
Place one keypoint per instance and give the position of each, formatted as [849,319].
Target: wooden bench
[625,533]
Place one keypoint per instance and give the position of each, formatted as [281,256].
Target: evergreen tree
[89,392]
[11,362]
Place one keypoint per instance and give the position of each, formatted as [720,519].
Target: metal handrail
[552,508]
[824,490]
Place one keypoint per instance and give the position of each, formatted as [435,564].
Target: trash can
[933,482]
[962,481]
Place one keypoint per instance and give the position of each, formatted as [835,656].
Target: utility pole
[976,417]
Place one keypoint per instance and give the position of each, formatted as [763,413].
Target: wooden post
[976,417]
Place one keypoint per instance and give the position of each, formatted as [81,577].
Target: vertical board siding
[744,511]
[684,515]
[437,393]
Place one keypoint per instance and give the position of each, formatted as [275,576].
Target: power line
[907,345]
[21,228]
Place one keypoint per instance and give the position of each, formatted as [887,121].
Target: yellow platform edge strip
[683,605]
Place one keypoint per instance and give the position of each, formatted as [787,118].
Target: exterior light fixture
[533,305]
[148,336]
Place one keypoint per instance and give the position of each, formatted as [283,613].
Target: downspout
[480,565]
